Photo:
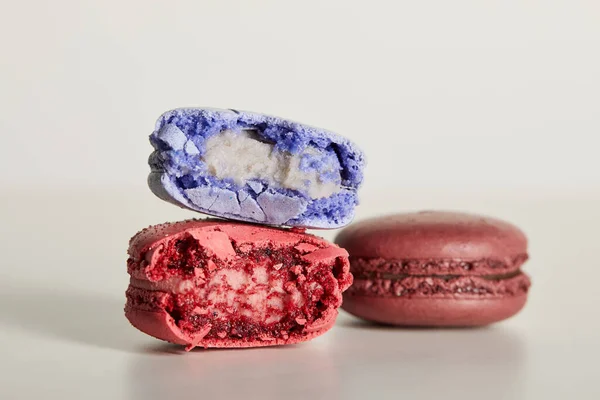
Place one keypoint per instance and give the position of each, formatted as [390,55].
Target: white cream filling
[241,157]
[256,295]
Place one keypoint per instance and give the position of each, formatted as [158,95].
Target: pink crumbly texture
[222,284]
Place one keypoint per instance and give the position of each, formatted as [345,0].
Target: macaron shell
[161,325]
[255,235]
[432,312]
[433,235]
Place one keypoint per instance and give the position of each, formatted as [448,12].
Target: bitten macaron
[214,283]
[435,268]
[256,168]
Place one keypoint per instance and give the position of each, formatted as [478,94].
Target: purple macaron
[256,168]
[435,269]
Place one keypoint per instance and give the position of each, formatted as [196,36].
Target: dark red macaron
[215,283]
[435,269]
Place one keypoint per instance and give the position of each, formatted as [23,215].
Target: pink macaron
[214,283]
[435,269]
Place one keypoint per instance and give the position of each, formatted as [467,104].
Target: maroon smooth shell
[433,234]
[433,312]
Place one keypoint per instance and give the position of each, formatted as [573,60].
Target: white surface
[63,333]
[484,106]
[509,86]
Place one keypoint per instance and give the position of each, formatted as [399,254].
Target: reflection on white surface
[355,358]
[427,362]
[299,371]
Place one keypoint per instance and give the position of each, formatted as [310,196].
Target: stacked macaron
[257,279]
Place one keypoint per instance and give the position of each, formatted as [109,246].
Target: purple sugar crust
[179,176]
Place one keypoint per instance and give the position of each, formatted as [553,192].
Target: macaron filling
[242,157]
[441,278]
[239,292]
[433,266]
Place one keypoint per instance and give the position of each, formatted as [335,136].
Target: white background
[483,106]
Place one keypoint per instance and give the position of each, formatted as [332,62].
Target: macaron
[435,269]
[252,167]
[213,283]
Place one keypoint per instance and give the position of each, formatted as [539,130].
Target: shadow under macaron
[358,323]
[71,316]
